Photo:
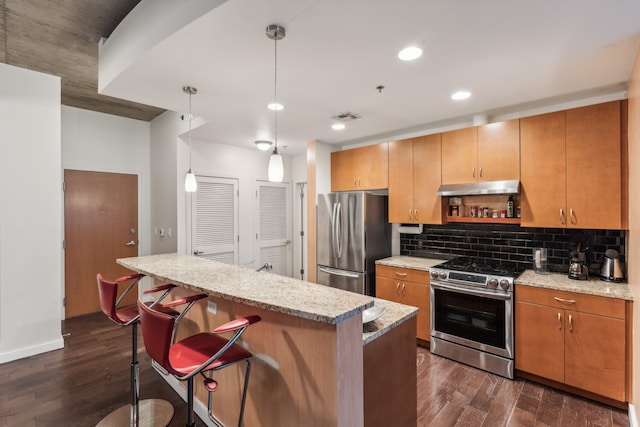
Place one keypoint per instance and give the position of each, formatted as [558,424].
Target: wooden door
[401,181]
[542,169]
[100,222]
[540,340]
[388,289]
[373,167]
[460,156]
[499,151]
[594,183]
[417,295]
[595,354]
[343,170]
[427,177]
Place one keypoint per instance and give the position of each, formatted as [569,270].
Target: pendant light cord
[275,94]
[190,118]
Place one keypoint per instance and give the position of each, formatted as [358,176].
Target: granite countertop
[393,315]
[415,263]
[560,282]
[260,289]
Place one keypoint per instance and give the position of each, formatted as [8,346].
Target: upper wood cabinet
[414,178]
[571,168]
[489,152]
[364,168]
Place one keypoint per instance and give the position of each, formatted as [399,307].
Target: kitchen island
[313,363]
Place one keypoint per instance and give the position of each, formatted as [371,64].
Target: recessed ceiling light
[263,144]
[463,94]
[275,106]
[410,53]
[338,126]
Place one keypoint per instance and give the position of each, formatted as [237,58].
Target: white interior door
[273,223]
[214,221]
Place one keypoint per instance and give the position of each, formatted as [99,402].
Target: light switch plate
[212,307]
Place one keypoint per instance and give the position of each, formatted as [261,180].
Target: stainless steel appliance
[472,313]
[612,269]
[352,233]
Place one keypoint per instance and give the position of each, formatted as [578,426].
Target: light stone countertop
[561,282]
[393,315]
[259,289]
[415,263]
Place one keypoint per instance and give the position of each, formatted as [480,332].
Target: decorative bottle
[510,207]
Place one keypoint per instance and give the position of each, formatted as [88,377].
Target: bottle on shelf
[510,207]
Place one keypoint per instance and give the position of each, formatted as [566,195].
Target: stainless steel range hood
[477,188]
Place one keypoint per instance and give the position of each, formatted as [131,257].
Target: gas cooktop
[481,266]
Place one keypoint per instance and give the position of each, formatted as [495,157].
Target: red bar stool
[148,412]
[197,354]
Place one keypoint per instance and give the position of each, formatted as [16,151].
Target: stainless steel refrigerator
[352,233]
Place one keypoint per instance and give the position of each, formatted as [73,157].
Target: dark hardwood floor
[80,384]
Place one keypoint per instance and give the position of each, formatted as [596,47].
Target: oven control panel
[472,279]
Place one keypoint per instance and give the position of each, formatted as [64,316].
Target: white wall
[30,213]
[101,142]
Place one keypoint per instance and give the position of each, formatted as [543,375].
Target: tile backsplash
[510,243]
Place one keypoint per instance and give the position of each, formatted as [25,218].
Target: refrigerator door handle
[339,229]
[337,272]
[333,229]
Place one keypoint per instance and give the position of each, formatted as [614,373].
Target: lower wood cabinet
[574,339]
[406,286]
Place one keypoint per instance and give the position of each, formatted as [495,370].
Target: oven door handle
[478,292]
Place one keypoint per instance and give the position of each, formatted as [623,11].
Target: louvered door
[274,226]
[215,219]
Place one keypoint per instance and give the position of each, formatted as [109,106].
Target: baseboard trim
[633,418]
[32,351]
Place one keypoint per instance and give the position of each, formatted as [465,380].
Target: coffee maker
[579,247]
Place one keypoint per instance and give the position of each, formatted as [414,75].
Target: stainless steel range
[472,313]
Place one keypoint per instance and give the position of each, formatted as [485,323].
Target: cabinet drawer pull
[570,324]
[401,274]
[559,321]
[562,221]
[566,301]
[398,288]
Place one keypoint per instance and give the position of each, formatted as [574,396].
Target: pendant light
[276,168]
[190,184]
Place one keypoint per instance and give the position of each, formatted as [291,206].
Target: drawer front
[609,307]
[405,274]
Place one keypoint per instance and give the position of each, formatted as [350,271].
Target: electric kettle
[612,270]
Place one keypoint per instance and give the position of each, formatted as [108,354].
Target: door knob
[131,243]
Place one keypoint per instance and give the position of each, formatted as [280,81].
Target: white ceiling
[513,55]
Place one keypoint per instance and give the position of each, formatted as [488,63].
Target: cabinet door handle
[415,214]
[404,290]
[398,288]
[480,171]
[566,301]
[355,182]
[473,172]
[358,182]
[562,221]
[401,274]
[570,324]
[559,321]
[410,218]
[572,216]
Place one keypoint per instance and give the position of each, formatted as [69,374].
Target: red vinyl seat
[197,354]
[131,414]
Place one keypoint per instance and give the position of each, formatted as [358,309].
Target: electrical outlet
[168,232]
[162,232]
[212,307]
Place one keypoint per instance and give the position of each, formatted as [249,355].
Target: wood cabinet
[364,168]
[414,178]
[406,286]
[489,152]
[575,339]
[572,168]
